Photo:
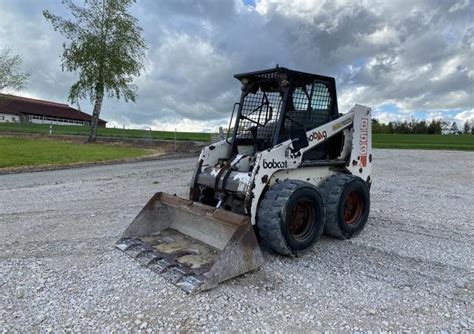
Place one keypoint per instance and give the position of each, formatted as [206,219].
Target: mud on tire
[291,217]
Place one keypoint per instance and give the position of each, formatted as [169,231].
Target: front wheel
[347,202]
[291,217]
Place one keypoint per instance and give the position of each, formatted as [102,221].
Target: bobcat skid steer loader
[290,169]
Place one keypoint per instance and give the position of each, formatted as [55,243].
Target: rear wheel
[347,201]
[291,217]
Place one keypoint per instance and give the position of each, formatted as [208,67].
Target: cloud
[462,4]
[415,55]
[387,117]
[467,115]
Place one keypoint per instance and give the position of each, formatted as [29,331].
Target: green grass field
[426,142]
[23,152]
[103,132]
[433,142]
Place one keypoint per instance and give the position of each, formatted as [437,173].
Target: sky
[405,59]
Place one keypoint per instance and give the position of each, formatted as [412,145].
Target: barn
[26,110]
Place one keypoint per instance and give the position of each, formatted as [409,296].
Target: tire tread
[332,189]
[269,215]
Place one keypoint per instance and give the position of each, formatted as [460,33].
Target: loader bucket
[193,245]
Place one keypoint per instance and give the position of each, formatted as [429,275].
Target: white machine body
[253,174]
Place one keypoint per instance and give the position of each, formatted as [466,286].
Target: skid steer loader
[290,168]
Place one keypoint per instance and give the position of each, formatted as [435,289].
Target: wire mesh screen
[321,100]
[260,112]
[309,107]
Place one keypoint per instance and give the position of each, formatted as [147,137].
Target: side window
[301,98]
[300,107]
[309,108]
[321,98]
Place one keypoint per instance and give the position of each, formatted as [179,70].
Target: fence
[75,130]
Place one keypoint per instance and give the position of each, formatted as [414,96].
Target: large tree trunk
[95,115]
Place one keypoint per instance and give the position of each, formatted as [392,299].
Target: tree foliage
[105,46]
[11,75]
[412,126]
[469,127]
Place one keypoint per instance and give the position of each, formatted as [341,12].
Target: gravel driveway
[411,268]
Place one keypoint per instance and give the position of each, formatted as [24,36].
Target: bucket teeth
[193,245]
[175,274]
[161,266]
[166,264]
[148,258]
[125,243]
[139,251]
[189,284]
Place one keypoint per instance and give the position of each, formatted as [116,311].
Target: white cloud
[453,65]
[438,115]
[459,5]
[467,115]
[348,97]
[300,8]
[386,35]
[387,117]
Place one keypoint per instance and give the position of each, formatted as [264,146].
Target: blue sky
[249,2]
[403,58]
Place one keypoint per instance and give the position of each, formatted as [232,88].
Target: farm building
[26,110]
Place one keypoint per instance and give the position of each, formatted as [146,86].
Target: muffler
[195,246]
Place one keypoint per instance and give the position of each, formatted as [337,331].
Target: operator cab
[278,102]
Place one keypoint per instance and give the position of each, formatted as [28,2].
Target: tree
[467,127]
[390,127]
[435,127]
[454,128]
[11,76]
[420,127]
[105,45]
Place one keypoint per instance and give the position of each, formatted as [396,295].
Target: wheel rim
[353,208]
[302,220]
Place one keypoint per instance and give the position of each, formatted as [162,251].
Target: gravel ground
[411,268]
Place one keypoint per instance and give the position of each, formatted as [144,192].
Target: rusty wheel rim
[302,220]
[353,208]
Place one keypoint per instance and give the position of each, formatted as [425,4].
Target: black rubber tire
[335,191]
[276,210]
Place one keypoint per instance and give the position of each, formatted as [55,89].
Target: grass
[26,152]
[103,132]
[429,142]
[18,151]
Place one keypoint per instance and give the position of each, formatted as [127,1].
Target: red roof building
[23,109]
